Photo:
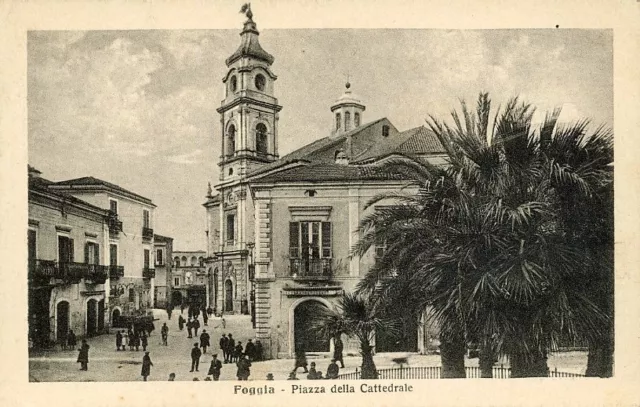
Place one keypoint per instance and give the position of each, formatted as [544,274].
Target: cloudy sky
[137,108]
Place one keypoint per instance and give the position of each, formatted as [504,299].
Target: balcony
[310,269]
[147,233]
[97,273]
[116,272]
[115,225]
[148,272]
[66,273]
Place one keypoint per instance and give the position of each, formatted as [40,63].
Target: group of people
[233,352]
[332,370]
[132,338]
[68,340]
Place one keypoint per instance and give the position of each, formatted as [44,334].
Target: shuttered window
[113,255]
[326,240]
[146,258]
[294,240]
[65,249]
[310,240]
[91,253]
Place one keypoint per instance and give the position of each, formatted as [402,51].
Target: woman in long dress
[146,366]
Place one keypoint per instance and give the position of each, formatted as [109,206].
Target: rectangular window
[146,258]
[176,281]
[159,257]
[231,229]
[31,235]
[310,240]
[65,249]
[91,253]
[113,254]
[113,206]
[145,219]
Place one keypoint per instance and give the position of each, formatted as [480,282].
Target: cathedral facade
[280,229]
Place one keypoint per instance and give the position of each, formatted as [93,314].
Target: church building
[280,229]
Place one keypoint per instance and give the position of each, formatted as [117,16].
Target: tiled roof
[41,186]
[423,141]
[319,172]
[95,182]
[250,46]
[160,238]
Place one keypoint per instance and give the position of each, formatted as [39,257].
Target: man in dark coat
[118,340]
[131,337]
[189,328]
[237,352]
[214,369]
[146,365]
[181,322]
[136,340]
[259,351]
[169,310]
[71,339]
[224,343]
[83,355]
[204,341]
[144,341]
[196,326]
[243,364]
[195,357]
[164,332]
[332,370]
[231,347]
[338,347]
[205,317]
[250,350]
[301,361]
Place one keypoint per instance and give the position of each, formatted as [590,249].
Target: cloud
[187,158]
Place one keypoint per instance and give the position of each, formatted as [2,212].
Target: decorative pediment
[313,291]
[310,213]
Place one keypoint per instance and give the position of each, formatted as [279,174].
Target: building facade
[190,280]
[163,247]
[280,228]
[67,265]
[131,243]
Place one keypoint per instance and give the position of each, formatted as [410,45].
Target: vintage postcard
[320,202]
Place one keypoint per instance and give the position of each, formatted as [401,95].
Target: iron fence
[434,372]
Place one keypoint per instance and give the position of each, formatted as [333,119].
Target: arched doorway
[92,320]
[176,298]
[62,319]
[303,336]
[228,295]
[101,315]
[115,318]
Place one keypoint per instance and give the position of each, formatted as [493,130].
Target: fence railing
[433,372]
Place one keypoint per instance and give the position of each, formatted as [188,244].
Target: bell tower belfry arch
[249,111]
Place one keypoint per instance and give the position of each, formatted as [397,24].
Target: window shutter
[294,239]
[96,253]
[86,252]
[71,250]
[326,240]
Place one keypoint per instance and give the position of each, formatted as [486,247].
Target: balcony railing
[310,269]
[147,233]
[115,225]
[148,272]
[67,272]
[116,271]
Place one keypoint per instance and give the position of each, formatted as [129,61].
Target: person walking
[64,340]
[189,328]
[146,365]
[231,347]
[195,357]
[169,311]
[224,322]
[237,352]
[83,355]
[181,308]
[250,350]
[71,339]
[204,341]
[259,351]
[209,311]
[301,361]
[338,347]
[132,339]
[118,340]
[181,322]
[196,326]
[224,343]
[205,317]
[164,332]
[333,370]
[144,341]
[214,369]
[244,370]
[125,339]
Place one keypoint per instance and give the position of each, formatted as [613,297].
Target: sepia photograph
[356,200]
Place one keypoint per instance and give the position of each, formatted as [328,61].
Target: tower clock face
[260,82]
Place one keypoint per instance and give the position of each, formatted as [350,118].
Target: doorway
[92,320]
[62,319]
[305,339]
[101,316]
[228,296]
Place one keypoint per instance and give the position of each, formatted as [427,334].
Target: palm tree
[355,316]
[484,241]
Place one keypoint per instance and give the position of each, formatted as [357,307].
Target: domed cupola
[250,46]
[347,111]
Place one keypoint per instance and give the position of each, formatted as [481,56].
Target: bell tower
[348,110]
[249,111]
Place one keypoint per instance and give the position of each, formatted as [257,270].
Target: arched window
[194,261]
[338,120]
[385,131]
[184,260]
[233,85]
[201,261]
[176,261]
[347,121]
[260,82]
[231,140]
[261,138]
[356,119]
